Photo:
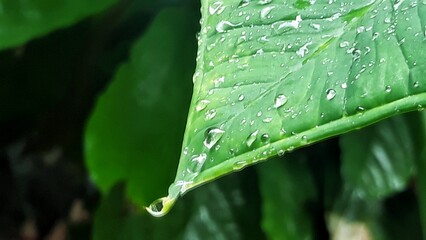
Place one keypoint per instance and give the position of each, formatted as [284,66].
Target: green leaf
[222,210]
[21,21]
[287,191]
[136,129]
[277,75]
[421,171]
[378,161]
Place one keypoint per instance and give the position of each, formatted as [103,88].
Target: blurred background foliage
[93,104]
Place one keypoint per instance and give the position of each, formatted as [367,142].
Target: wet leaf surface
[274,76]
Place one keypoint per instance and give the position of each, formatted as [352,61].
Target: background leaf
[22,21]
[288,192]
[378,161]
[144,106]
[222,210]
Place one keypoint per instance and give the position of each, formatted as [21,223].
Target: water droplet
[280,100]
[216,7]
[344,44]
[243,3]
[281,153]
[265,138]
[219,81]
[252,138]
[303,50]
[160,207]
[388,89]
[344,85]
[359,109]
[210,114]
[239,165]
[416,84]
[264,2]
[315,26]
[212,136]
[264,13]
[331,93]
[224,26]
[201,105]
[197,163]
[287,24]
[267,120]
[241,97]
[259,113]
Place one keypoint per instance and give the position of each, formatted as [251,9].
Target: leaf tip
[161,206]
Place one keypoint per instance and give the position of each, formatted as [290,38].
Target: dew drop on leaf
[280,100]
[252,138]
[331,93]
[264,13]
[267,120]
[265,138]
[212,136]
[264,2]
[201,105]
[224,26]
[388,89]
[239,165]
[197,163]
[416,84]
[210,114]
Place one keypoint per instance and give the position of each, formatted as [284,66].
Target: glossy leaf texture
[277,75]
[122,135]
[288,192]
[21,21]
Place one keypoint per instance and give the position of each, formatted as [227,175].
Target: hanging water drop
[212,136]
[280,100]
[331,93]
[161,206]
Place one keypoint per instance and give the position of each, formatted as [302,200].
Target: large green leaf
[21,21]
[277,75]
[136,128]
[378,161]
[288,190]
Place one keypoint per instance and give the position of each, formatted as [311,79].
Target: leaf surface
[21,21]
[277,75]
